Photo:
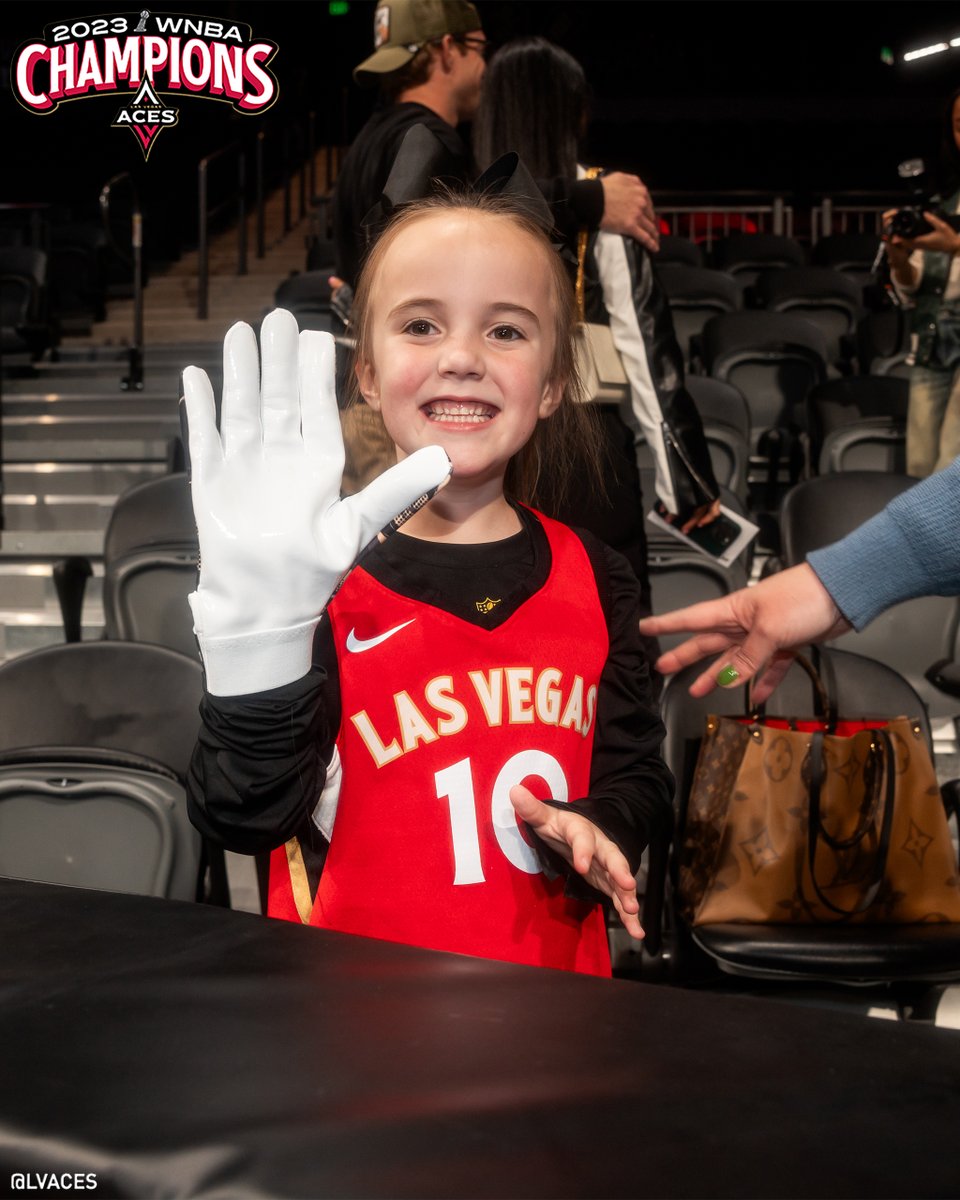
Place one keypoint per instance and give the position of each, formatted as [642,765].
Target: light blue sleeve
[911,548]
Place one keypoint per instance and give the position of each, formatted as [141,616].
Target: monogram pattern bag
[816,820]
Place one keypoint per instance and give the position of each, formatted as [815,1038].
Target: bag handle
[884,792]
[823,706]
[583,238]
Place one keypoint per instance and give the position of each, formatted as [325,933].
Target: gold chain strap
[583,237]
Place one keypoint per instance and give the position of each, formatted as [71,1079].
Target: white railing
[731,212]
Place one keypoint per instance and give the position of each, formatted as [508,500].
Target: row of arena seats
[60,290]
[778,361]
[746,255]
[833,285]
[855,337]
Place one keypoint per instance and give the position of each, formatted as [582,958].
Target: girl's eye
[506,333]
[419,327]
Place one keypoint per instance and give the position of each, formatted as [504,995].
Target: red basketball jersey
[440,718]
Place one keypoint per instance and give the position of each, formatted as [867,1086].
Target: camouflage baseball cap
[401,27]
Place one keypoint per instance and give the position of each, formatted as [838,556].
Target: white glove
[275,537]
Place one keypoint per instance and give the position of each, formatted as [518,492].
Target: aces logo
[151,62]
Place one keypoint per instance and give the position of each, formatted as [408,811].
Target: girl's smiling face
[462,341]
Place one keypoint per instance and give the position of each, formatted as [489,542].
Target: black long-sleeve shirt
[261,760]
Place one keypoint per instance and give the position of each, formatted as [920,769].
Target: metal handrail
[294,133]
[261,219]
[134,380]
[862,208]
[312,152]
[203,252]
[303,163]
[729,207]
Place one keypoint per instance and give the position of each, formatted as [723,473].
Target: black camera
[909,221]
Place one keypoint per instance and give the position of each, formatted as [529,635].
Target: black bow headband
[419,163]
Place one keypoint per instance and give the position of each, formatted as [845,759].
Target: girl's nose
[461,356]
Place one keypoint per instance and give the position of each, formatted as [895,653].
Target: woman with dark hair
[535,101]
[926,274]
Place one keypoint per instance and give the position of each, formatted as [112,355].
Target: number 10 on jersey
[455,785]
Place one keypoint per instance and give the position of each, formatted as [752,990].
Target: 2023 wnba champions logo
[153,60]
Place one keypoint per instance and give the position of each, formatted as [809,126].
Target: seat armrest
[945,675]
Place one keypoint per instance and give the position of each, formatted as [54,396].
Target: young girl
[470,761]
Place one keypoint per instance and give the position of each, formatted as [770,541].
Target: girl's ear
[367,379]
[550,400]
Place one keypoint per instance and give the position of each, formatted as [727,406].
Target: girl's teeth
[458,416]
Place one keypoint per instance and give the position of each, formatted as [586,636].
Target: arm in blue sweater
[911,548]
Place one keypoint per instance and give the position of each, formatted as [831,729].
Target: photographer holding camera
[925,270]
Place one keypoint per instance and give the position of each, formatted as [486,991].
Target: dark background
[771,94]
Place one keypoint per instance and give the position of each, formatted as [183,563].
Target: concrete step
[80,355]
[71,405]
[50,544]
[32,514]
[30,444]
[40,429]
[28,587]
[173,326]
[102,369]
[168,290]
[47,479]
[161,381]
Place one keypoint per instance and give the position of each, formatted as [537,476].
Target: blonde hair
[563,445]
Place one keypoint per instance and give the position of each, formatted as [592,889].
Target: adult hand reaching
[275,537]
[628,209]
[589,851]
[753,630]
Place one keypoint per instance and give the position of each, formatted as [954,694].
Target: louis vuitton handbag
[816,820]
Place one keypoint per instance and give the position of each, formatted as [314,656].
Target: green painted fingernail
[728,675]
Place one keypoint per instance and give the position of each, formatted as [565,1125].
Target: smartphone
[716,537]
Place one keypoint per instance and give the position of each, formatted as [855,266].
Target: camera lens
[909,223]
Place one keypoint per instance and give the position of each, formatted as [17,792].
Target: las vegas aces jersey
[439,719]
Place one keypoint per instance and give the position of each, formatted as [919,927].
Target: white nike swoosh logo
[357,645]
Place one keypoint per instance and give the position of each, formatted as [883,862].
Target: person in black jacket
[429,65]
[534,102]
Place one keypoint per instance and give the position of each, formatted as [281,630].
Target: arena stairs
[73,439]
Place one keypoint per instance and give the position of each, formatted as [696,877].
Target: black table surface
[180,1050]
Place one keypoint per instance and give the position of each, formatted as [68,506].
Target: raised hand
[754,630]
[589,851]
[275,537]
